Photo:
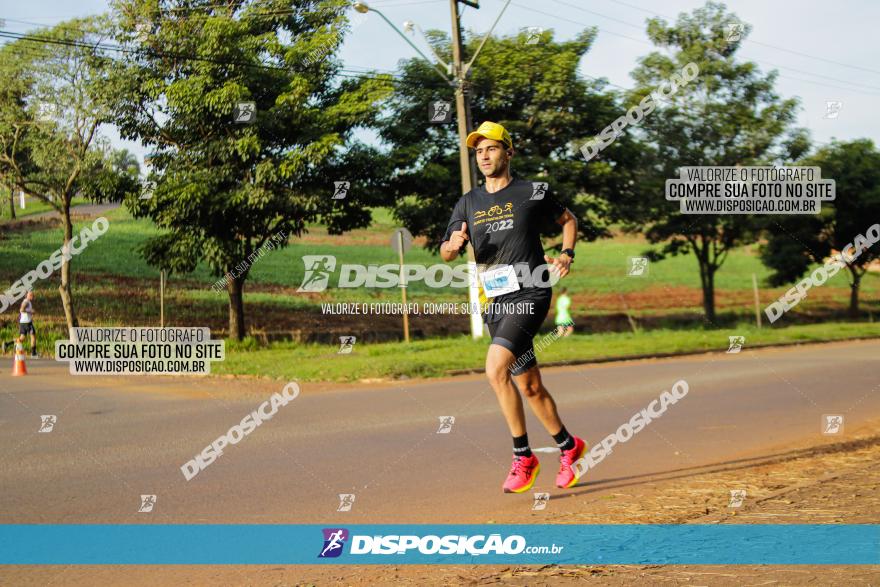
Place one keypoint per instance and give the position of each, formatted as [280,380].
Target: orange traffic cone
[19,368]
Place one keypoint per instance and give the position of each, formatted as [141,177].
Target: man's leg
[33,341]
[539,398]
[498,360]
[525,467]
[571,447]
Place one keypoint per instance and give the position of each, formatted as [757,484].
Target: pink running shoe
[522,474]
[566,476]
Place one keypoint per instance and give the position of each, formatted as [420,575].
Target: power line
[651,12]
[393,4]
[117,48]
[180,13]
[642,41]
[747,40]
[343,72]
[566,19]
[80,30]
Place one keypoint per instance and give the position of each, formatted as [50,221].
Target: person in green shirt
[564,323]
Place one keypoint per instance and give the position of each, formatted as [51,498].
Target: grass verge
[437,357]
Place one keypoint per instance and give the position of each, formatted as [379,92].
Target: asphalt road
[117,438]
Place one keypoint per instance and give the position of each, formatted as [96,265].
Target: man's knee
[497,373]
[532,387]
[496,369]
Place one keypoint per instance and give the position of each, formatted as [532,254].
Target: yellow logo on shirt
[496,212]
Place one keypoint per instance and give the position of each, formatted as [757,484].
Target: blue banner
[164,544]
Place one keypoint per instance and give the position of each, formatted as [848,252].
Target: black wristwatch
[569,252]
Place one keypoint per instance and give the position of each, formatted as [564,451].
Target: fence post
[757,300]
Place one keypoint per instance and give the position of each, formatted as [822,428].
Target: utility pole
[463,113]
[468,173]
[462,106]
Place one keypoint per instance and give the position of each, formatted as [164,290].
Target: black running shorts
[26,328]
[514,327]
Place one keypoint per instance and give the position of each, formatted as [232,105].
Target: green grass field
[113,285]
[600,268]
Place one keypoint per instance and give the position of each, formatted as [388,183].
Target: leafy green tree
[52,102]
[15,120]
[223,188]
[536,92]
[794,243]
[728,115]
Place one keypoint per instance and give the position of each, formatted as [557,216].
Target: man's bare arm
[569,229]
[562,263]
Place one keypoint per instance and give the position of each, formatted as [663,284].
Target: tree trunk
[707,282]
[12,203]
[65,288]
[709,297]
[235,287]
[854,292]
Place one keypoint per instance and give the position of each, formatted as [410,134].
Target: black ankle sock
[521,446]
[564,440]
[33,351]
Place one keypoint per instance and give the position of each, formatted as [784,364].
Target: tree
[796,242]
[52,104]
[223,188]
[535,91]
[14,116]
[10,195]
[729,115]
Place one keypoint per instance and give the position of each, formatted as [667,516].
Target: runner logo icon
[318,270]
[736,343]
[541,500]
[147,503]
[440,111]
[833,424]
[734,31]
[533,35]
[638,266]
[346,345]
[340,189]
[737,497]
[446,423]
[47,423]
[832,109]
[334,540]
[539,188]
[346,501]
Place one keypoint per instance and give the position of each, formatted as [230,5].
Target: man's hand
[561,264]
[458,238]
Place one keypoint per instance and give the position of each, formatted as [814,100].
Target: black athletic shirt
[503,227]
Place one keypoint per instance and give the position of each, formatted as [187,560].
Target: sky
[824,52]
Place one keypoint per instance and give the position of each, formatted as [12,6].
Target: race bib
[499,281]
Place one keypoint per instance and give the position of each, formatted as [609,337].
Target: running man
[26,321]
[564,323]
[334,542]
[501,221]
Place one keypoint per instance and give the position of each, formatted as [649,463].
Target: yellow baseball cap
[489,130]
